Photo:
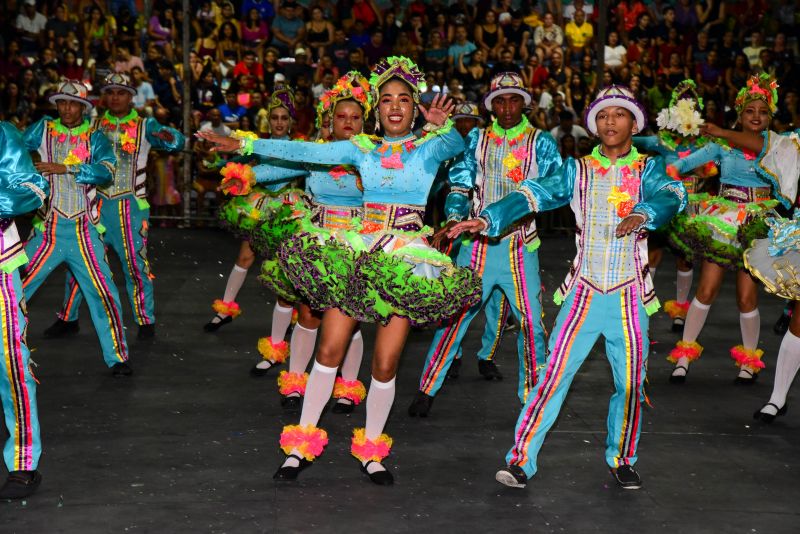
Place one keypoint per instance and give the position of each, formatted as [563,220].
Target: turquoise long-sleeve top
[332,186]
[481,167]
[397,171]
[22,188]
[736,167]
[652,143]
[660,197]
[98,170]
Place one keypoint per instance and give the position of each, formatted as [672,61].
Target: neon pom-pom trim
[273,352]
[309,440]
[227,308]
[748,357]
[366,449]
[676,309]
[289,382]
[238,179]
[352,390]
[685,349]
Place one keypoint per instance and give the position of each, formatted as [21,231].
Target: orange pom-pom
[289,382]
[748,357]
[685,349]
[309,440]
[366,449]
[238,179]
[353,390]
[227,308]
[273,352]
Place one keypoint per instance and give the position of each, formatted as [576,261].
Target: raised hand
[439,109]
[472,226]
[220,142]
[630,224]
[709,129]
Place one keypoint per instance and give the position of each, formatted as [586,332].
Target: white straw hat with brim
[615,96]
[506,83]
[118,80]
[468,110]
[72,90]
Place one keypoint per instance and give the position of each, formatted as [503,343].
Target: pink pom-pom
[352,390]
[309,440]
[366,449]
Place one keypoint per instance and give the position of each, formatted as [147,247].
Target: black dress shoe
[512,476]
[678,324]
[627,477]
[291,403]
[746,381]
[768,417]
[421,405]
[381,478]
[782,324]
[211,326]
[121,369]
[678,379]
[259,372]
[20,484]
[489,370]
[61,328]
[453,372]
[343,407]
[287,472]
[146,331]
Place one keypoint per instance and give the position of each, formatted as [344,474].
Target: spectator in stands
[367,12]
[547,38]
[785,67]
[628,13]
[659,96]
[357,62]
[517,35]
[58,27]
[588,74]
[489,35]
[325,84]
[673,43]
[686,17]
[567,146]
[340,50]
[475,76]
[125,61]
[255,32]
[288,29]
[127,32]
[68,67]
[642,29]
[30,24]
[266,11]
[534,75]
[736,75]
[637,47]
[299,68]
[567,126]
[231,111]
[145,98]
[675,71]
[248,66]
[319,32]
[570,8]
[375,48]
[506,64]
[580,37]
[436,53]
[753,51]
[214,123]
[615,53]
[697,52]
[161,30]
[788,115]
[461,49]
[228,49]
[168,89]
[14,107]
[577,96]
[711,16]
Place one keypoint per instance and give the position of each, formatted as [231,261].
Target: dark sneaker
[121,369]
[453,372]
[20,484]
[512,476]
[421,405]
[489,370]
[627,477]
[62,328]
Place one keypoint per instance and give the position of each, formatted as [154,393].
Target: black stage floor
[189,444]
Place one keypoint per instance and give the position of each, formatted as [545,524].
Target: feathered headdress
[351,86]
[759,87]
[282,97]
[399,67]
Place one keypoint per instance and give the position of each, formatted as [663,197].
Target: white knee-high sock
[750,323]
[785,370]
[352,360]
[695,320]
[303,340]
[281,320]
[683,283]
[379,403]
[318,391]
[232,287]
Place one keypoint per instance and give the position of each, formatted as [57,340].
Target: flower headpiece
[351,86]
[399,67]
[759,87]
[282,97]
[686,89]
